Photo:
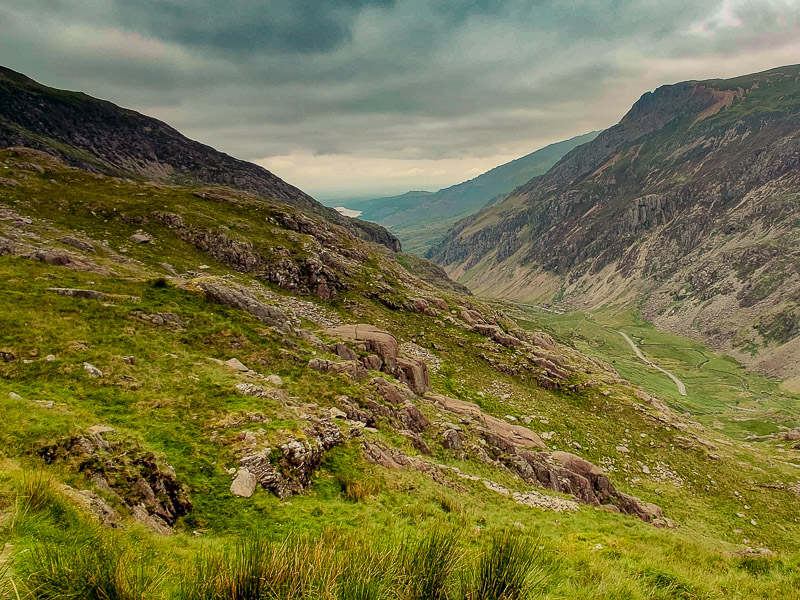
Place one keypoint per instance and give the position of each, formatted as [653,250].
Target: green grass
[359,531]
[718,388]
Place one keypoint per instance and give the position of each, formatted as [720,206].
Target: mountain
[419,219]
[206,392]
[689,204]
[101,137]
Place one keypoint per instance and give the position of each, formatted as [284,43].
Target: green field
[720,392]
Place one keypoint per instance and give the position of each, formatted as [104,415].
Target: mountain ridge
[628,215]
[419,218]
[102,137]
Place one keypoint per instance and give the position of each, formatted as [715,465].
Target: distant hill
[421,218]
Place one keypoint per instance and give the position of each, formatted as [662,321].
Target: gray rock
[93,371]
[244,484]
[76,243]
[452,440]
[93,504]
[243,299]
[275,380]
[140,237]
[153,522]
[14,396]
[236,365]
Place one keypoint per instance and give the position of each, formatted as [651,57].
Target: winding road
[678,382]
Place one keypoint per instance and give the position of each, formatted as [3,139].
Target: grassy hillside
[125,390]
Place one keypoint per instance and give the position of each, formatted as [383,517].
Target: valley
[212,387]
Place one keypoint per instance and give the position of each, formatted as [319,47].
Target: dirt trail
[678,382]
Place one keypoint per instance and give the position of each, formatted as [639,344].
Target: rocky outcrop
[371,339]
[355,370]
[570,474]
[93,504]
[402,409]
[69,261]
[290,471]
[239,297]
[123,467]
[505,433]
[409,370]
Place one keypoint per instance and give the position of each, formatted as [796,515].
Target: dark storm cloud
[389,79]
[281,26]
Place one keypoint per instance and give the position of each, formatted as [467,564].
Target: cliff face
[100,137]
[690,198]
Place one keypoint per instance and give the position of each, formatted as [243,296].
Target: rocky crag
[690,200]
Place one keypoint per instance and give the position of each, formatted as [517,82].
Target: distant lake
[347,212]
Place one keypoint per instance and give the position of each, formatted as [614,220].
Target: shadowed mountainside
[101,137]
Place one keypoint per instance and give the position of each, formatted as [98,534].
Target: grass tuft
[357,489]
[505,571]
[36,491]
[428,563]
[98,570]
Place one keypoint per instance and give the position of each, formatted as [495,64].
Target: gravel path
[678,382]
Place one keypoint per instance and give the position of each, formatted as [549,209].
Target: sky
[371,97]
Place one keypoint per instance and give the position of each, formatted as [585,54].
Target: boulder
[420,305]
[373,362]
[412,418]
[414,372]
[451,439]
[438,303]
[163,318]
[416,441]
[390,392]
[376,340]
[76,243]
[344,352]
[63,259]
[140,237]
[244,484]
[236,365]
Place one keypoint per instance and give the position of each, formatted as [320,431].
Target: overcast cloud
[362,96]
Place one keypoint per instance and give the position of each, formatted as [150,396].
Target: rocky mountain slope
[690,202]
[420,219]
[101,137]
[205,391]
